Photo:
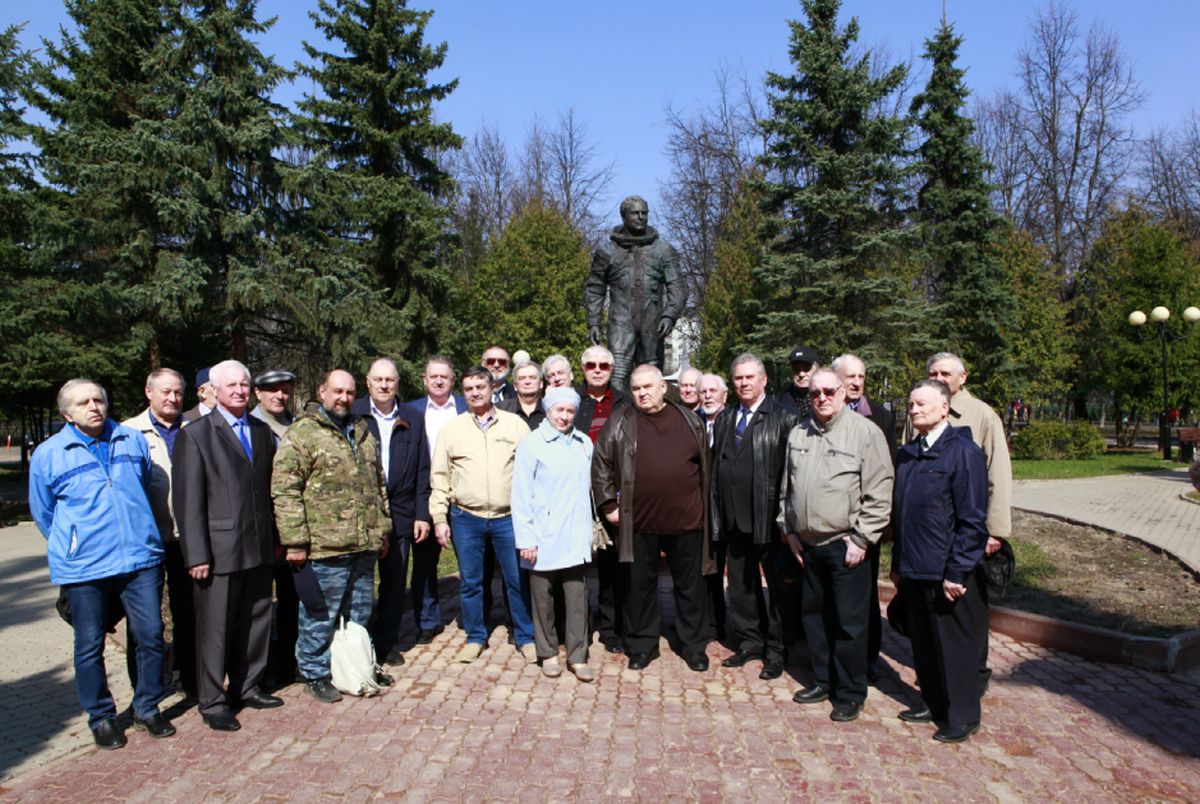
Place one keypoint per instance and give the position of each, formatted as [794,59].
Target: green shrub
[1049,440]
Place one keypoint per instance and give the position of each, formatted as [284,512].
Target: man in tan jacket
[987,431]
[835,501]
[470,502]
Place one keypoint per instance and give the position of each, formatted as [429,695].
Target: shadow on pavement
[35,710]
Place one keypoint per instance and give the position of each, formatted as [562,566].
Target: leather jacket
[769,428]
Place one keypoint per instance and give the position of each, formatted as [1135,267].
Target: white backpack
[352,660]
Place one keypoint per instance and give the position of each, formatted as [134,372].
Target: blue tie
[740,429]
[244,437]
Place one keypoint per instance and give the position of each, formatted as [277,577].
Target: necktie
[740,429]
[922,446]
[244,437]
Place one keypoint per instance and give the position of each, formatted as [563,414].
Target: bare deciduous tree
[1171,175]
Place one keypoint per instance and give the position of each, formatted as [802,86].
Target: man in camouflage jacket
[331,513]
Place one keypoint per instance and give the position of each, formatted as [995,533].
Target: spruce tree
[838,270]
[974,312]
[216,128]
[372,213]
[96,302]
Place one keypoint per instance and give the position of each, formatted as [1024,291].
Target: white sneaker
[470,652]
[551,668]
[582,672]
[529,651]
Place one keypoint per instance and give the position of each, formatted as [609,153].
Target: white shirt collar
[936,433]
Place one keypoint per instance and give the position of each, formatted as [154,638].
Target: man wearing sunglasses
[495,359]
[597,401]
[836,500]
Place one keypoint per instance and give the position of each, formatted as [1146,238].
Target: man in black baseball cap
[804,362]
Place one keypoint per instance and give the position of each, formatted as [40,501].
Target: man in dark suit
[206,396]
[853,372]
[749,452]
[221,488]
[439,406]
[404,459]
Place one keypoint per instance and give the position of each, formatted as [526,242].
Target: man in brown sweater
[650,477]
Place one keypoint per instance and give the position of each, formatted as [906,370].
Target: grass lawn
[1111,463]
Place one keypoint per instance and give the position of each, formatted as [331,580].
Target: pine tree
[838,271]
[96,302]
[975,313]
[527,291]
[217,130]
[731,298]
[372,218]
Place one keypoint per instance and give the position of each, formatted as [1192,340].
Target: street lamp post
[1161,315]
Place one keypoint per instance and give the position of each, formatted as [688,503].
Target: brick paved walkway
[1146,506]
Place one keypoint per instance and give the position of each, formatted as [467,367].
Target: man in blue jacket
[87,494]
[939,513]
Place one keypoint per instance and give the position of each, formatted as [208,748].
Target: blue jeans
[470,534]
[348,586]
[141,595]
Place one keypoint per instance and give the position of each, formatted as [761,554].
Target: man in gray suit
[221,487]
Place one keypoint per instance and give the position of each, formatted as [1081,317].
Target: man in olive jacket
[331,513]
[650,478]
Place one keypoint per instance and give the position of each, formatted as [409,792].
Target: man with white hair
[689,390]
[713,394]
[557,371]
[987,431]
[221,490]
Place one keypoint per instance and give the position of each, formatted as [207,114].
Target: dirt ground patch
[1089,576]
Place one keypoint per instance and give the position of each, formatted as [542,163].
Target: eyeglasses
[495,361]
[589,366]
[819,392]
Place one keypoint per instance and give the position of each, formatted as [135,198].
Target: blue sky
[619,66]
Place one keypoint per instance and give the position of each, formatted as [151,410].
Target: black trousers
[982,627]
[389,602]
[715,584]
[834,607]
[612,577]
[281,657]
[945,650]
[874,618]
[233,630]
[757,626]
[643,609]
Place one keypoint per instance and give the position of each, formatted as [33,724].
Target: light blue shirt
[551,497]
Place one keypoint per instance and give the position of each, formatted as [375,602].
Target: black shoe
[257,699]
[640,661]
[955,734]
[613,645]
[772,669]
[697,662]
[986,680]
[426,635]
[222,721]
[845,711]
[383,679]
[156,725]
[738,659]
[918,714]
[810,695]
[108,736]
[323,691]
[393,657]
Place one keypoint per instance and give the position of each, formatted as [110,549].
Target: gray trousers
[573,581]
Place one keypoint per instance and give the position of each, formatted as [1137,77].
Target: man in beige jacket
[987,431]
[835,501]
[470,502]
[159,423]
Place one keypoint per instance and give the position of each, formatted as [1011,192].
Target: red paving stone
[1055,727]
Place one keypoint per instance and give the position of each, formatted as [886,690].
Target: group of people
[236,508]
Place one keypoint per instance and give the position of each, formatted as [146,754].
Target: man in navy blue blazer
[404,459]
[439,406]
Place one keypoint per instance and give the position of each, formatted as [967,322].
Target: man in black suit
[404,459]
[221,488]
[749,452]
[853,372]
